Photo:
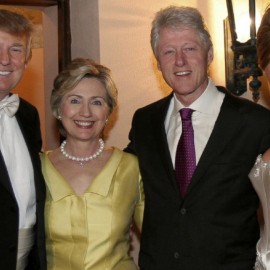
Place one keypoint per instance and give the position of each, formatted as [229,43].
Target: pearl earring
[59,117]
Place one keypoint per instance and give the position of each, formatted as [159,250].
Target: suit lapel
[160,140]
[227,124]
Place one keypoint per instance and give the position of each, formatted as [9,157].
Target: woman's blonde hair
[77,70]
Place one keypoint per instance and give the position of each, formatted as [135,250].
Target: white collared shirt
[206,109]
[19,167]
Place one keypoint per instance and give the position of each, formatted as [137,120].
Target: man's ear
[158,66]
[210,56]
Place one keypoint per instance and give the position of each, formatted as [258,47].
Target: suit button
[183,211]
[176,255]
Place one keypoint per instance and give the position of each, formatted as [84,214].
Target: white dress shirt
[206,109]
[20,169]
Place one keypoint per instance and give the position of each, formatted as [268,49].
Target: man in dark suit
[213,224]
[22,189]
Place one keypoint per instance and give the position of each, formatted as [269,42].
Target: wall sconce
[241,57]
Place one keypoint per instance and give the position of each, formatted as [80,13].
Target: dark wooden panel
[43,3]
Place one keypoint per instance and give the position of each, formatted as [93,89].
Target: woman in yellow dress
[93,191]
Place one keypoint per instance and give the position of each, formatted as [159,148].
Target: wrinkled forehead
[180,34]
[11,39]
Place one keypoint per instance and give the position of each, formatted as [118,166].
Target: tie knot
[186,113]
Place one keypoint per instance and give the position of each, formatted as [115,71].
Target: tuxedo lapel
[25,126]
[29,131]
[226,126]
[4,179]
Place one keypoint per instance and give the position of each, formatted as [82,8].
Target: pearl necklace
[82,160]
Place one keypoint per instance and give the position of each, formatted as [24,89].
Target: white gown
[260,179]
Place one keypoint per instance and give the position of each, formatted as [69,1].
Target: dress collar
[100,185]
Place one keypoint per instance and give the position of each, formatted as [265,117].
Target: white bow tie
[10,105]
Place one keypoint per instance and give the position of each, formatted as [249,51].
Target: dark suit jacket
[215,226]
[28,119]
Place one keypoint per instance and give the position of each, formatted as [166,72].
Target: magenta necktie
[185,158]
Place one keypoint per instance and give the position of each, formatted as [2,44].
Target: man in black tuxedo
[213,226]
[22,188]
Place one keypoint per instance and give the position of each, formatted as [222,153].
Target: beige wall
[117,35]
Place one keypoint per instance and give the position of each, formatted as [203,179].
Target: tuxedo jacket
[215,226]
[28,120]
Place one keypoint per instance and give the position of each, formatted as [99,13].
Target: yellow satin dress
[92,231]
